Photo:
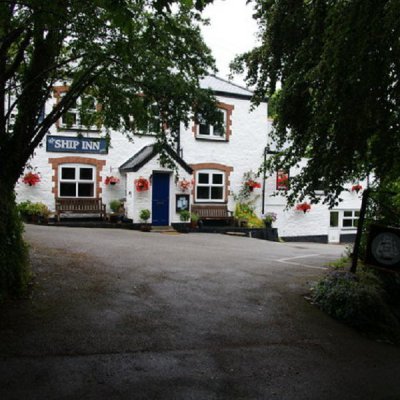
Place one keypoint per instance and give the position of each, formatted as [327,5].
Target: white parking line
[287,261]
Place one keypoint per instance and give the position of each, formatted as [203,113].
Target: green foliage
[184,215]
[273,105]
[115,205]
[357,299]
[28,209]
[246,211]
[194,217]
[14,258]
[338,65]
[144,214]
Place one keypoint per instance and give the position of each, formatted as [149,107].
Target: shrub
[115,205]
[184,215]
[246,211]
[357,299]
[144,214]
[27,209]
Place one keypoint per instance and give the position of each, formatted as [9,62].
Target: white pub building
[76,163]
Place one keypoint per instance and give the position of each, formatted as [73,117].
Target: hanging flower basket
[31,179]
[184,185]
[251,184]
[305,207]
[356,188]
[111,180]
[142,184]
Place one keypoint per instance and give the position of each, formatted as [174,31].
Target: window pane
[348,213]
[203,192]
[203,178]
[347,223]
[217,179]
[218,132]
[355,223]
[85,189]
[204,129]
[67,189]
[217,193]
[69,119]
[86,174]
[67,173]
[334,219]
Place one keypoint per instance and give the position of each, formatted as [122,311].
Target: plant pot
[145,227]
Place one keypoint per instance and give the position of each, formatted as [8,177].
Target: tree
[339,65]
[127,54]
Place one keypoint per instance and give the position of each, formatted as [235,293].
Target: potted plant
[142,184]
[268,219]
[194,220]
[356,188]
[37,213]
[144,216]
[111,180]
[31,179]
[117,208]
[184,215]
[305,207]
[252,184]
[184,185]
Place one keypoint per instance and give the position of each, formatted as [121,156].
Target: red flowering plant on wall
[184,184]
[303,207]
[142,184]
[111,180]
[356,188]
[31,178]
[252,184]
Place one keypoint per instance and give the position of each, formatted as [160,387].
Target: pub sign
[68,144]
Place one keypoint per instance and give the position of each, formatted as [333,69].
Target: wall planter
[111,180]
[31,179]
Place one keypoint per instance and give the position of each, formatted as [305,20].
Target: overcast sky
[231,31]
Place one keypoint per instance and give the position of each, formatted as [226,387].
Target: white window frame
[352,218]
[212,135]
[210,173]
[77,180]
[75,110]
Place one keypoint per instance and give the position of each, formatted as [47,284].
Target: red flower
[111,180]
[142,184]
[31,179]
[184,184]
[303,207]
[356,188]
[251,184]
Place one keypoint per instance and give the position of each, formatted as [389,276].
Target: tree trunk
[14,265]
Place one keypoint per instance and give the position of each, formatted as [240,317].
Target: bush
[144,214]
[115,205]
[184,215]
[357,299]
[15,273]
[27,210]
[246,211]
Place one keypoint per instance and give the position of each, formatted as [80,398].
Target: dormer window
[82,114]
[204,131]
[209,131]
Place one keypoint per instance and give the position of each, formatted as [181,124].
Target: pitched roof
[225,88]
[144,155]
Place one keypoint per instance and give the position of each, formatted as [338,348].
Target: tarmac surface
[118,314]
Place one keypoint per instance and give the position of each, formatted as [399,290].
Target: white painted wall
[243,152]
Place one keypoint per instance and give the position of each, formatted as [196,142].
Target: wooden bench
[80,206]
[211,212]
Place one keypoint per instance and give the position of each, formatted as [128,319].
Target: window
[81,115]
[282,180]
[210,186]
[350,219]
[77,180]
[334,219]
[207,131]
[153,122]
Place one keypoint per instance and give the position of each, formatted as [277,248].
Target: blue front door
[160,204]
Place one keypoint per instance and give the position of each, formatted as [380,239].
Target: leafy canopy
[126,54]
[338,63]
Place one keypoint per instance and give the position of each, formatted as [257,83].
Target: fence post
[360,226]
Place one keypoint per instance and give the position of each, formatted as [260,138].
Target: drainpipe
[264,179]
